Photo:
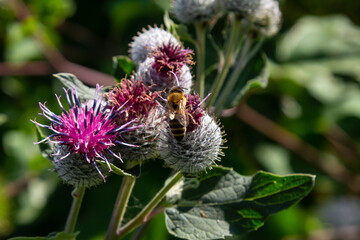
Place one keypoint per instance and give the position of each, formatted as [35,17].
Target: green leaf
[53,236]
[71,81]
[229,204]
[314,37]
[255,75]
[115,169]
[123,65]
[45,147]
[20,47]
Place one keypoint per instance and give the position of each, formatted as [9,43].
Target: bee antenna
[177,80]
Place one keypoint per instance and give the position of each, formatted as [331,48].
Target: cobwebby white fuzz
[75,170]
[198,150]
[147,41]
[267,18]
[244,8]
[193,11]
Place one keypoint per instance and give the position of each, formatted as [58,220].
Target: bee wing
[182,119]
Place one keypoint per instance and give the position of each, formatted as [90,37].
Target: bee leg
[191,118]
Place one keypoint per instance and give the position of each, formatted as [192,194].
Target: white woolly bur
[192,11]
[147,41]
[242,7]
[145,137]
[197,151]
[75,170]
[267,18]
[152,78]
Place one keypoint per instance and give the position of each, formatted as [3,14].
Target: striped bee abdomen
[177,129]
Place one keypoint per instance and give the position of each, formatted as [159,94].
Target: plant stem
[122,200]
[142,216]
[219,81]
[200,63]
[246,55]
[78,195]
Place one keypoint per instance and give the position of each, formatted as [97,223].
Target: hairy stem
[142,216]
[200,54]
[122,200]
[78,195]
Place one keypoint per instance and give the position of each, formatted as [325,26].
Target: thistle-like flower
[194,11]
[82,135]
[201,145]
[159,68]
[149,40]
[140,108]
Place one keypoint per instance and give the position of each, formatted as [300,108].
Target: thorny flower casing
[139,104]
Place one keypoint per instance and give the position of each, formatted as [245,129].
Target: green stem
[246,55]
[231,46]
[122,200]
[78,195]
[142,216]
[200,62]
[234,76]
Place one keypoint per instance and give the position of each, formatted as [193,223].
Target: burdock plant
[120,128]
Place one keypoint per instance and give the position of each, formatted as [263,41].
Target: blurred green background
[306,120]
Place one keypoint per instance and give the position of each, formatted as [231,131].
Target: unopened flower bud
[244,8]
[194,11]
[267,18]
[264,16]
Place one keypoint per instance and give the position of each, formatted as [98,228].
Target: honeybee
[178,116]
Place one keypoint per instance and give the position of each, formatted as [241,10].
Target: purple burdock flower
[144,110]
[171,58]
[166,60]
[147,41]
[201,145]
[82,135]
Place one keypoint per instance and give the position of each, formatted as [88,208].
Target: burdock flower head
[264,16]
[166,63]
[193,11]
[82,135]
[198,147]
[149,40]
[244,8]
[140,109]
[267,18]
